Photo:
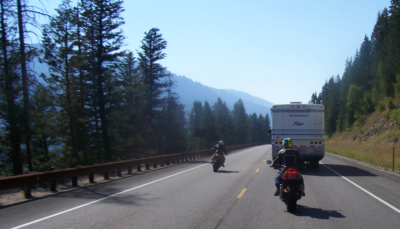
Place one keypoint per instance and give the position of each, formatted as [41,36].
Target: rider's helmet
[221,142]
[287,143]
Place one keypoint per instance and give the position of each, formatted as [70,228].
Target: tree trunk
[84,145]
[102,102]
[15,136]
[28,140]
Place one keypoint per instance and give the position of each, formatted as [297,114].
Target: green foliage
[395,115]
[223,121]
[371,78]
[240,124]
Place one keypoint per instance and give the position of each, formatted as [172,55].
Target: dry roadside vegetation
[371,141]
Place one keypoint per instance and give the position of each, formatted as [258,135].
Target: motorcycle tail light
[291,174]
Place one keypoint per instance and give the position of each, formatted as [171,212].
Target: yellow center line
[241,193]
[257,170]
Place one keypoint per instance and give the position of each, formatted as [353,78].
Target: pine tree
[101,21]
[153,72]
[209,124]
[129,116]
[10,89]
[24,73]
[223,121]
[252,129]
[44,128]
[240,123]
[195,125]
[58,39]
[173,122]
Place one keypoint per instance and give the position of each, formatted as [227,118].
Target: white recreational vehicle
[304,124]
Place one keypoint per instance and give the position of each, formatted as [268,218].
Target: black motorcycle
[216,162]
[290,191]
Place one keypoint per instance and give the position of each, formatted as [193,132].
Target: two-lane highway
[340,194]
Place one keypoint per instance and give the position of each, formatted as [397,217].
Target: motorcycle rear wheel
[216,166]
[291,200]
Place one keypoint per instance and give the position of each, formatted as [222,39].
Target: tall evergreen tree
[58,39]
[240,123]
[24,73]
[195,124]
[44,128]
[173,122]
[10,88]
[253,130]
[153,72]
[102,20]
[129,116]
[209,124]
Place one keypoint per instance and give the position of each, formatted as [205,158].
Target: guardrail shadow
[92,193]
[317,213]
[80,188]
[344,170]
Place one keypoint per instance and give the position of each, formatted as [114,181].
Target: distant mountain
[189,91]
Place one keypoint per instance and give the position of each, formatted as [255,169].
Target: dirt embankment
[374,142]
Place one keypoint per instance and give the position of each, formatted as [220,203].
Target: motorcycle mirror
[306,162]
[269,162]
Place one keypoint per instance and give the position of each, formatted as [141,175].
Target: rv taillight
[320,142]
[280,142]
[311,142]
[276,142]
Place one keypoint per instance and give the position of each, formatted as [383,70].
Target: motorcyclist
[287,145]
[220,147]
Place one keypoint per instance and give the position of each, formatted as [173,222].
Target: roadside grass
[377,151]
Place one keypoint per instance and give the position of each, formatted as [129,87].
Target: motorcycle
[290,191]
[216,161]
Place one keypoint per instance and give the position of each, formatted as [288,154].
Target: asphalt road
[340,194]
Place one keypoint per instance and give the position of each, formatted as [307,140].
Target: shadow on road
[227,171]
[317,212]
[344,170]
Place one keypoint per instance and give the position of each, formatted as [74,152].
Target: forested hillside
[371,80]
[98,103]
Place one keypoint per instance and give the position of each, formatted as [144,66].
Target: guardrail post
[139,168]
[53,184]
[155,164]
[91,176]
[147,166]
[119,173]
[27,191]
[74,179]
[167,162]
[161,163]
[393,158]
[130,170]
[106,175]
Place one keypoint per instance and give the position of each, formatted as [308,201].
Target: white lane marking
[95,201]
[382,201]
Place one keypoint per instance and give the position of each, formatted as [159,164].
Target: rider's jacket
[220,148]
[289,161]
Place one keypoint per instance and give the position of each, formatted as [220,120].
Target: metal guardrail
[51,177]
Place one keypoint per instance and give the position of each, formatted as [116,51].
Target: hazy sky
[280,51]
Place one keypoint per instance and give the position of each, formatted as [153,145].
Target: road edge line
[366,191]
